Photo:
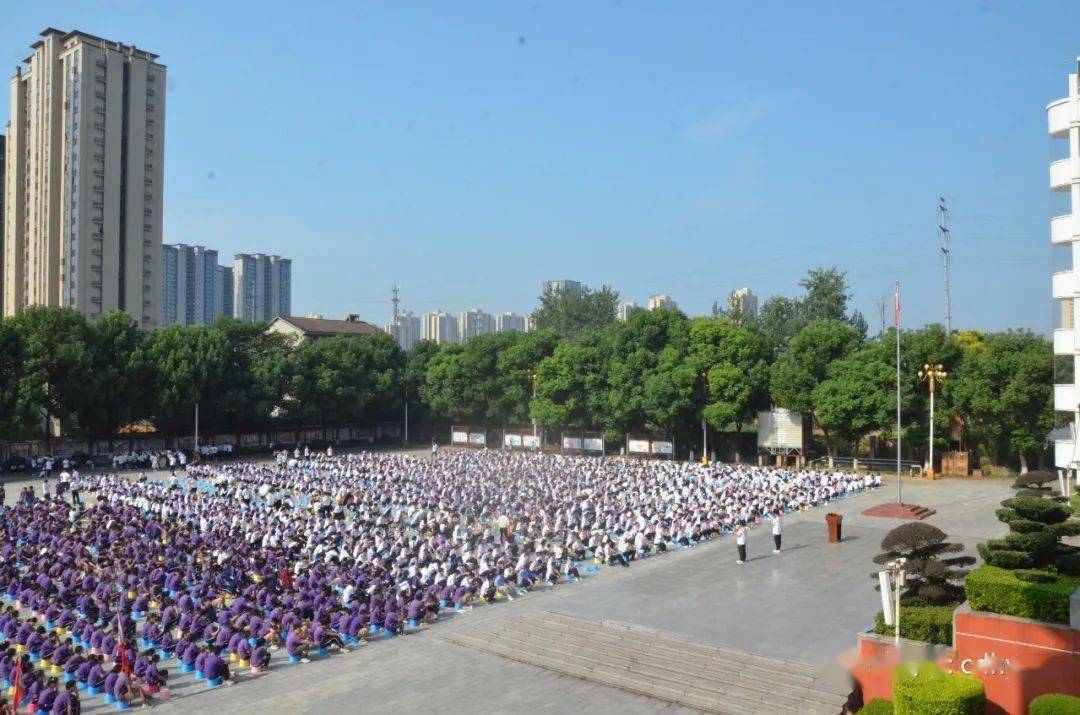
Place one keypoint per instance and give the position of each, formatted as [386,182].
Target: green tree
[460,381]
[14,412]
[734,360]
[858,394]
[57,361]
[571,385]
[341,379]
[518,358]
[779,320]
[189,365]
[1003,390]
[255,374]
[570,313]
[416,365]
[797,373]
[119,386]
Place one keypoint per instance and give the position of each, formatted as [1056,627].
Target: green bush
[1075,501]
[998,590]
[930,624]
[877,706]
[1065,528]
[1009,559]
[925,689]
[1036,509]
[1054,705]
[1069,564]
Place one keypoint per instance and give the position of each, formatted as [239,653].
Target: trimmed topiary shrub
[932,576]
[877,706]
[925,689]
[998,590]
[1036,527]
[1054,705]
[930,624]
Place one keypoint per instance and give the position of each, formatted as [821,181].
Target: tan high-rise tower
[83,179]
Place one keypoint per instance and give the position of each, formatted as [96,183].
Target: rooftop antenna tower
[395,301]
[943,234]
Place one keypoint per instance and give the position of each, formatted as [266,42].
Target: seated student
[109,683]
[260,655]
[155,676]
[67,701]
[296,644]
[215,667]
[323,637]
[47,695]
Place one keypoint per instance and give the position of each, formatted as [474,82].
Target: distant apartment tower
[563,286]
[3,191]
[83,178]
[510,322]
[664,302]
[472,323]
[189,285]
[744,302]
[405,328]
[262,287]
[440,327]
[223,291]
[625,309]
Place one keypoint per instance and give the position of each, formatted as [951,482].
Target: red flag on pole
[896,307]
[17,680]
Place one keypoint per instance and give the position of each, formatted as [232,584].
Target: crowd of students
[226,563]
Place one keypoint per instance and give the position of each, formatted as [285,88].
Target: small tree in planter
[931,579]
[1033,484]
[1036,526]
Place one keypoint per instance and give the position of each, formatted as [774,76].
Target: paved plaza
[805,604]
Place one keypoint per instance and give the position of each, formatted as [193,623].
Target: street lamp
[897,568]
[704,433]
[932,375]
[533,377]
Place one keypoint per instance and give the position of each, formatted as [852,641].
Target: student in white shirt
[776,528]
[740,541]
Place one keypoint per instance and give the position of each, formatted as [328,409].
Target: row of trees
[582,369]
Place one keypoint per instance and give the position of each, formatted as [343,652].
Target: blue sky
[469,151]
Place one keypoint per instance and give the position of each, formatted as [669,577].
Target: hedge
[925,689]
[877,706]
[998,590]
[1054,705]
[930,624]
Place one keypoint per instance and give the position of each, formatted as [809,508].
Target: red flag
[896,307]
[17,679]
[125,666]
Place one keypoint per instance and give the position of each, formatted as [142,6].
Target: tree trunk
[1023,462]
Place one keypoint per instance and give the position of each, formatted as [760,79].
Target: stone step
[672,665]
[657,665]
[677,644]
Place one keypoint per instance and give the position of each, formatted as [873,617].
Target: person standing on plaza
[740,541]
[172,464]
[777,526]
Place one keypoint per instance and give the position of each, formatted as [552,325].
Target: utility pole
[943,234]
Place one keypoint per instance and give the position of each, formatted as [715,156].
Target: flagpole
[896,321]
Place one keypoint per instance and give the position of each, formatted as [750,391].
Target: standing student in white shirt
[740,541]
[776,528]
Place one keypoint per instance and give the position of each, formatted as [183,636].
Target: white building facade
[744,302]
[510,322]
[262,287]
[1063,117]
[662,302]
[472,323]
[440,327]
[189,285]
[625,309]
[405,328]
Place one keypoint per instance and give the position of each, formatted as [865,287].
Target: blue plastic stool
[323,652]
[91,690]
[137,615]
[110,698]
[121,705]
[199,675]
[375,628]
[213,682]
[388,634]
[414,623]
[81,685]
[68,677]
[186,667]
[294,659]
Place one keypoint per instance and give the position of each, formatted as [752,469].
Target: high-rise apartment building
[563,286]
[510,322]
[191,285]
[625,309]
[223,291]
[1063,116]
[83,178]
[472,323]
[262,286]
[662,302]
[3,191]
[405,328]
[440,327]
[743,302]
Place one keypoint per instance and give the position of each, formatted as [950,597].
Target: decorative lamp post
[933,375]
[704,433]
[533,378]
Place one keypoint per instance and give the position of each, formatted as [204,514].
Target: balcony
[1065,452]
[1063,229]
[1064,284]
[1060,116]
[1065,341]
[1065,398]
[1063,174]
